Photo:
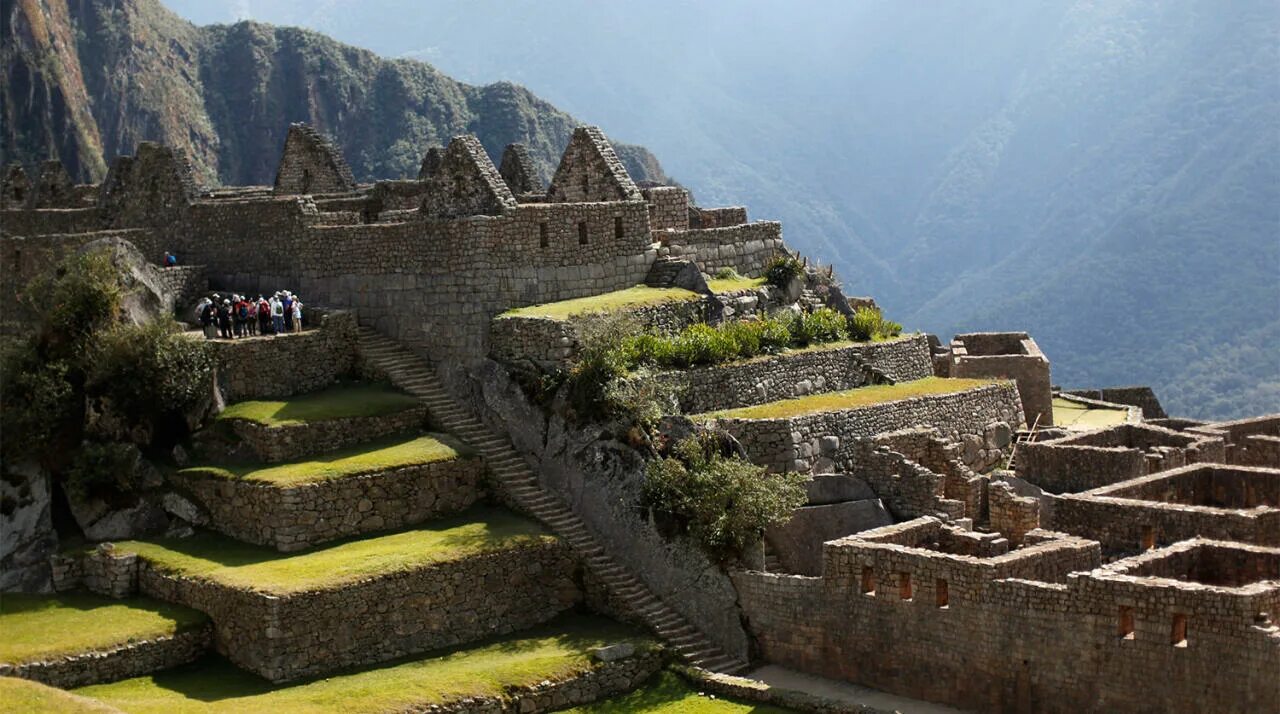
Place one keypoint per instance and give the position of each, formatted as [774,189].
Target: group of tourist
[235,316]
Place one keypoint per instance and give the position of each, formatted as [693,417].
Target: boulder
[27,538]
[146,295]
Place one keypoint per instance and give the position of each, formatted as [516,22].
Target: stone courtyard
[389,517]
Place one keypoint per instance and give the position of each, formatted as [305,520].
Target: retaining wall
[287,442]
[794,443]
[281,366]
[797,373]
[132,659]
[747,248]
[296,517]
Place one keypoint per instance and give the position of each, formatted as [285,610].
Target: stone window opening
[868,581]
[17,260]
[582,233]
[306,180]
[586,186]
[942,596]
[1124,627]
[17,194]
[1178,635]
[1148,537]
[904,587]
[617,227]
[544,238]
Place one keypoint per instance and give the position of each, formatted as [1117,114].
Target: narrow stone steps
[410,373]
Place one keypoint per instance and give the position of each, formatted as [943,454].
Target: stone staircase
[412,374]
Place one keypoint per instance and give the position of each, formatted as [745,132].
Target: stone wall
[792,444]
[287,442]
[1007,355]
[668,208]
[716,217]
[552,343]
[185,283]
[1250,442]
[992,640]
[800,372]
[50,221]
[291,518]
[432,284]
[289,636]
[746,248]
[1081,462]
[278,366]
[310,163]
[1148,511]
[132,659]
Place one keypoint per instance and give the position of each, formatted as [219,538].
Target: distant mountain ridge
[86,80]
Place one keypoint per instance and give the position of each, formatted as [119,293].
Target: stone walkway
[783,678]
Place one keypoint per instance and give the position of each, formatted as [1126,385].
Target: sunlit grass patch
[383,455]
[235,564]
[338,402]
[41,627]
[638,296]
[669,694]
[850,398]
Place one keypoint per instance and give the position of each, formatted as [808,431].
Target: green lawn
[366,458]
[22,696]
[235,564]
[849,398]
[39,627]
[733,285]
[343,401]
[1080,417]
[638,296]
[668,693]
[556,650]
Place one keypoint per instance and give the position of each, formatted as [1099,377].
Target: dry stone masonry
[1131,568]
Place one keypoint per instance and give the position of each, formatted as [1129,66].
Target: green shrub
[601,361]
[775,335]
[150,372]
[640,398]
[82,295]
[869,324]
[103,469]
[727,273]
[725,503]
[702,344]
[781,270]
[821,325]
[38,404]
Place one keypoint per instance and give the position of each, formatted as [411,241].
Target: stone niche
[1236,503]
[1010,355]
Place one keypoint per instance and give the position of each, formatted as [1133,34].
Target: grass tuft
[338,402]
[379,456]
[638,296]
[554,651]
[234,564]
[735,284]
[849,398]
[41,627]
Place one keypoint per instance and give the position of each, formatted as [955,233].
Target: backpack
[243,310]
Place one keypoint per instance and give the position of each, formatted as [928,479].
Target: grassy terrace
[638,296]
[27,697]
[366,458]
[1081,417]
[669,694]
[235,564]
[733,285]
[343,401]
[557,650]
[41,627]
[849,398]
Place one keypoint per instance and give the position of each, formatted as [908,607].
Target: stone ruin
[1078,580]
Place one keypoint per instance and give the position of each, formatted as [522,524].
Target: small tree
[724,502]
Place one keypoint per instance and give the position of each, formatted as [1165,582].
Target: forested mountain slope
[88,79]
